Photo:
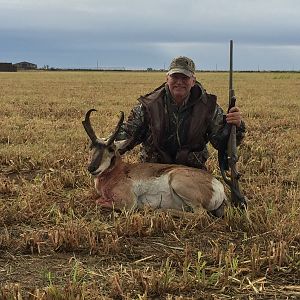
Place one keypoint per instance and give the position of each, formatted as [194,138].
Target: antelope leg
[198,189]
[104,202]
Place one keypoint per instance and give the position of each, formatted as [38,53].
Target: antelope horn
[88,127]
[117,129]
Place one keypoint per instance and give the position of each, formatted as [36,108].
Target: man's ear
[194,80]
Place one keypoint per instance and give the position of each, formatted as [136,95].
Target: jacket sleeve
[216,128]
[134,130]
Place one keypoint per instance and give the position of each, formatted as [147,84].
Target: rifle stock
[228,156]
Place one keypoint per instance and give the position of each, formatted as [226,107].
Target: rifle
[227,154]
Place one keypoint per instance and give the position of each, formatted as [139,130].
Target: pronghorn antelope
[165,186]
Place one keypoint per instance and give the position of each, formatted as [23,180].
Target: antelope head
[103,152]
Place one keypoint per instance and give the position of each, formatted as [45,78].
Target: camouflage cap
[182,64]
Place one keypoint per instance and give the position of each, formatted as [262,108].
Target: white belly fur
[156,193]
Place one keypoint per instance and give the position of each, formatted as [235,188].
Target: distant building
[7,67]
[24,65]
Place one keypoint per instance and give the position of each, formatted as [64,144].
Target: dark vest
[202,107]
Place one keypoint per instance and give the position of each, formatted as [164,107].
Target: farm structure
[7,67]
[24,65]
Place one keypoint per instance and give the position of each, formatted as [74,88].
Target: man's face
[180,85]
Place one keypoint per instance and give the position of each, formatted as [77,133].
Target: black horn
[88,127]
[117,129]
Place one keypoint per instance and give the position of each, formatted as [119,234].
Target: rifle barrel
[231,65]
[231,90]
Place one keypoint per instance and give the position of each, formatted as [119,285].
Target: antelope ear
[120,145]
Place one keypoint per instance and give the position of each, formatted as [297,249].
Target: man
[176,121]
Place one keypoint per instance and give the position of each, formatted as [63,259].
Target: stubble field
[55,243]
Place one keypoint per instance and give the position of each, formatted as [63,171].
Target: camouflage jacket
[172,134]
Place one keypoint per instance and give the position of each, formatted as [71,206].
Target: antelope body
[165,186]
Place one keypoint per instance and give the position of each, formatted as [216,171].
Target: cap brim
[181,71]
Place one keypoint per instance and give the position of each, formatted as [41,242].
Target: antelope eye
[111,149]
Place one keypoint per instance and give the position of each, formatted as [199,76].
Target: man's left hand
[234,116]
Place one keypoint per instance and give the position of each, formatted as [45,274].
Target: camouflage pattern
[182,65]
[137,128]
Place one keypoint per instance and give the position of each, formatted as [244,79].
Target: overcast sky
[149,33]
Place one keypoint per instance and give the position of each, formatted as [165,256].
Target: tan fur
[158,186]
[126,185]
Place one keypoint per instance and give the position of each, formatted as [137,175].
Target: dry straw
[55,243]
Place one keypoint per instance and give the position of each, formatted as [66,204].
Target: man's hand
[234,116]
